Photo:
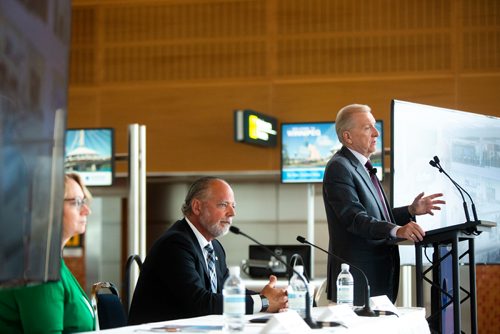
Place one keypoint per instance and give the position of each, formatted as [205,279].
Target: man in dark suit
[360,221]
[175,279]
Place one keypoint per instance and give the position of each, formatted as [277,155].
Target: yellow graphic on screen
[259,129]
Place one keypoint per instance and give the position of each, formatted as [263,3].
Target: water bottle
[345,286]
[297,292]
[234,302]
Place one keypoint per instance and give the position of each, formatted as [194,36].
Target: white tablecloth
[411,321]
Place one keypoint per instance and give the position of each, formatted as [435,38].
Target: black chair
[128,266]
[107,305]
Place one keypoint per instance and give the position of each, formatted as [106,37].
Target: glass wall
[34,43]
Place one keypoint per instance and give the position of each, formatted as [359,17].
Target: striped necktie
[211,267]
[376,183]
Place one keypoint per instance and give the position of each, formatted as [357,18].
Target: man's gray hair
[343,122]
[199,189]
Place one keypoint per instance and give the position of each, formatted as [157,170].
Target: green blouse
[53,307]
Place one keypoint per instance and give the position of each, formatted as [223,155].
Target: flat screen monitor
[307,147]
[90,153]
[468,147]
[258,255]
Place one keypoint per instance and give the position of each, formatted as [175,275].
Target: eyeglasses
[78,202]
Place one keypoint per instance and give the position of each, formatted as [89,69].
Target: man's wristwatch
[265,303]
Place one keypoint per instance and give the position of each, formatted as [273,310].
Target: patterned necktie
[376,183]
[211,267]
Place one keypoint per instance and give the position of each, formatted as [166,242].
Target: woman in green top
[53,307]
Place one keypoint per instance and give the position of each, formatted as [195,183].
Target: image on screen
[306,148]
[89,152]
[468,147]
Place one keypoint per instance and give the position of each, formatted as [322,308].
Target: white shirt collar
[361,158]
[201,239]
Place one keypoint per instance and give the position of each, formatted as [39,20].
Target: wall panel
[85,109]
[479,93]
[84,46]
[338,38]
[191,134]
[488,297]
[182,67]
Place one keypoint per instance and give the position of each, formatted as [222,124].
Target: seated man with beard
[175,280]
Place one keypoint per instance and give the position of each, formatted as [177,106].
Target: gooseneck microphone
[364,311]
[309,320]
[437,164]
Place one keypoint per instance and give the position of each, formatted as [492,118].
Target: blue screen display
[89,152]
[306,148]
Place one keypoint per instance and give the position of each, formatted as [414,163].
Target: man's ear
[347,137]
[196,206]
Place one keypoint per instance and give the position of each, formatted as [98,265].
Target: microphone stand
[364,311]
[436,163]
[473,206]
[308,319]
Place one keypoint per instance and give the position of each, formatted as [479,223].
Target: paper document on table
[187,328]
[289,322]
[338,315]
[383,303]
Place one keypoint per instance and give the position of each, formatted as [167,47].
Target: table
[411,321]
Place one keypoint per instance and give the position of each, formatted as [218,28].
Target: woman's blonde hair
[77,179]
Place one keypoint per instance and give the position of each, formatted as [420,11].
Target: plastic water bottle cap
[344,266]
[234,270]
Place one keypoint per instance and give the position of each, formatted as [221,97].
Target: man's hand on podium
[411,231]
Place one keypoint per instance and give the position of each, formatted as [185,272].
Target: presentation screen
[468,147]
[306,148]
[89,152]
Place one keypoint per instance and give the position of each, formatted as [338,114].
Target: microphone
[309,320]
[364,311]
[436,163]
[373,171]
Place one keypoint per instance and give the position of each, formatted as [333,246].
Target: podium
[452,237]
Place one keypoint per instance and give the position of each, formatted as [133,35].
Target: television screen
[468,146]
[306,148]
[90,153]
[256,254]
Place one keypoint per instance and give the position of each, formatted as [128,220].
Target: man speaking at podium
[360,221]
[184,272]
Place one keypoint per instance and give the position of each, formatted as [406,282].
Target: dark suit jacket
[174,282]
[358,233]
